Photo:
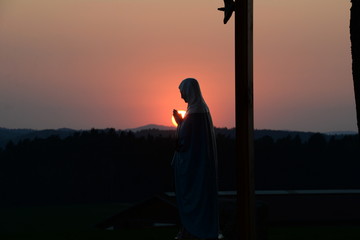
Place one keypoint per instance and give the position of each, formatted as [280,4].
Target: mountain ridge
[16,135]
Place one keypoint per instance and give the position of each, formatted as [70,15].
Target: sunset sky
[118,63]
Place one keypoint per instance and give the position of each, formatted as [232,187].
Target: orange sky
[118,63]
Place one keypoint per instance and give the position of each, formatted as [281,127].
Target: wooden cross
[244,114]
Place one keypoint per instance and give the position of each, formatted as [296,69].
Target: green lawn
[76,222]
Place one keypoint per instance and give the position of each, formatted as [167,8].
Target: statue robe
[195,170]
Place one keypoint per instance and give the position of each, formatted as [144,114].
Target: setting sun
[182,112]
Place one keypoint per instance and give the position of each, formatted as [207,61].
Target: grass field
[76,222]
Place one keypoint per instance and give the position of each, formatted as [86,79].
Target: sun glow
[182,112]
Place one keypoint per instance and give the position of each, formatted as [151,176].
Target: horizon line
[165,127]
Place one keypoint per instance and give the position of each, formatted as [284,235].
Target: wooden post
[244,118]
[244,114]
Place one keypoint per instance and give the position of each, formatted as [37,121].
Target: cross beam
[244,114]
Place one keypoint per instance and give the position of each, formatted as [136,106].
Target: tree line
[122,166]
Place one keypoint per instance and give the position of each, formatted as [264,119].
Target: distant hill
[151,126]
[16,135]
[12,134]
[105,165]
[341,133]
[153,129]
[278,134]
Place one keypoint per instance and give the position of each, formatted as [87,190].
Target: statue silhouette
[195,167]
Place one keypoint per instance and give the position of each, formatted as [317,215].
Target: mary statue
[195,167]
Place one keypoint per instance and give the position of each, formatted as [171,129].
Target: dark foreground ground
[76,222]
